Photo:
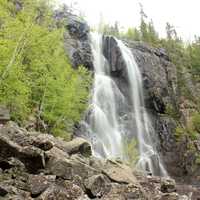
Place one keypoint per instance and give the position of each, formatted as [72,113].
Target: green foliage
[132,34]
[186,131]
[197,160]
[193,134]
[130,149]
[192,129]
[35,74]
[180,131]
[172,112]
[194,52]
[196,122]
[107,29]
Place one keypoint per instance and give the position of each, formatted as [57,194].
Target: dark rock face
[159,83]
[97,186]
[76,39]
[168,185]
[113,54]
[160,89]
[159,76]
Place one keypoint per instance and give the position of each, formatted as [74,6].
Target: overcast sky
[183,14]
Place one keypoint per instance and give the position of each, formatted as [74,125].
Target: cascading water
[149,158]
[103,124]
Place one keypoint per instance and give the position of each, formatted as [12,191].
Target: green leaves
[36,77]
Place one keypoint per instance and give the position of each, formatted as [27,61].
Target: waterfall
[106,136]
[149,158]
[103,122]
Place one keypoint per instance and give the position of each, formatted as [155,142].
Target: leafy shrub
[185,131]
[171,111]
[36,77]
[180,131]
[196,122]
[131,150]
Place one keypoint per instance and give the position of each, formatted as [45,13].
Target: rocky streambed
[41,167]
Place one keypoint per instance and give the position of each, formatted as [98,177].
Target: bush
[171,111]
[131,150]
[36,77]
[186,131]
[196,122]
[180,131]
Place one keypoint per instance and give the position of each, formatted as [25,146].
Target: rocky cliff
[38,166]
[163,98]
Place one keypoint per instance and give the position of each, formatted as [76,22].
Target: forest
[37,79]
[97,112]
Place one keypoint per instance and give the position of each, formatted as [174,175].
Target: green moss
[193,134]
[131,150]
[197,161]
[171,111]
[196,122]
[180,131]
[59,132]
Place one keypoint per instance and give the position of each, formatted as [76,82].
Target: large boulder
[79,145]
[97,185]
[39,183]
[119,172]
[168,185]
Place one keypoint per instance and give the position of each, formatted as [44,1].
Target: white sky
[183,14]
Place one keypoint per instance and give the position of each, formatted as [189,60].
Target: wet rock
[79,145]
[60,165]
[119,172]
[77,42]
[31,156]
[3,191]
[168,185]
[114,56]
[97,186]
[77,27]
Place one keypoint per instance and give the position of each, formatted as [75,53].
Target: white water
[149,158]
[104,126]
[103,118]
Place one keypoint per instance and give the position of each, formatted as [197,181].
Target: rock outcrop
[161,91]
[76,39]
[163,100]
[42,167]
